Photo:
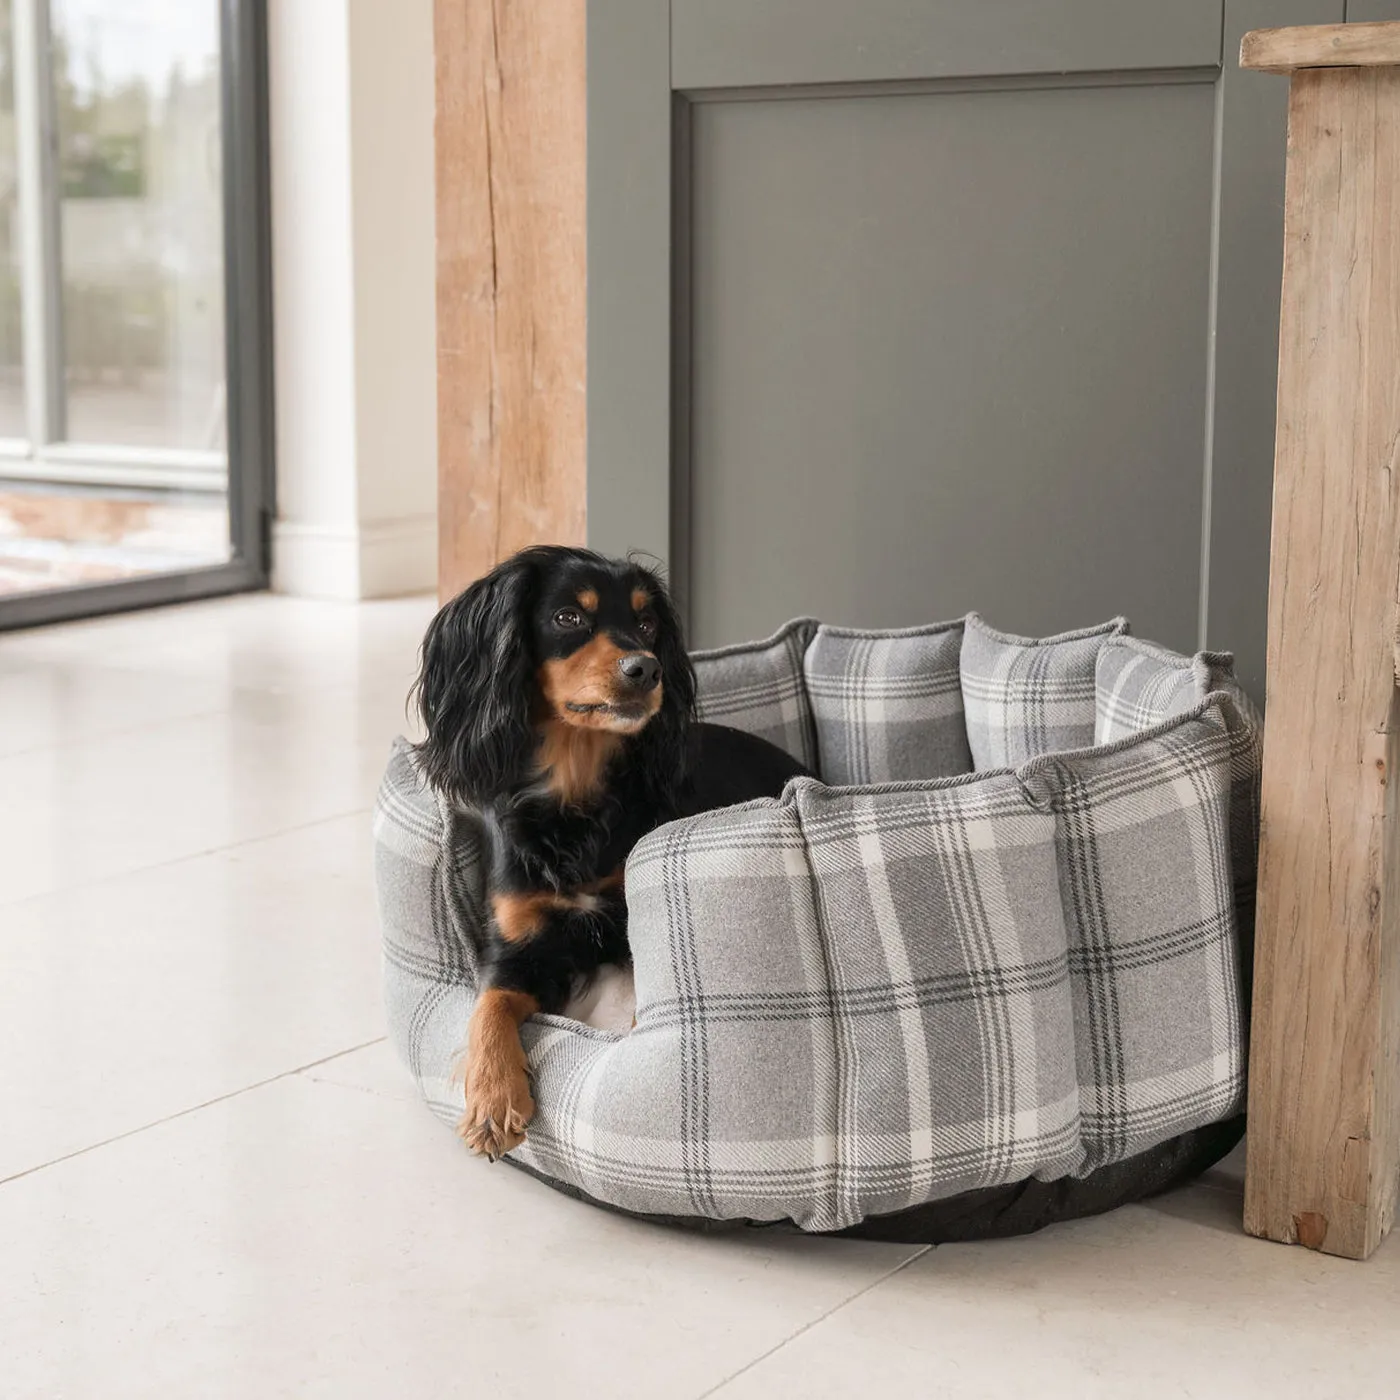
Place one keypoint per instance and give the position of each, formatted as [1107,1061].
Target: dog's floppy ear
[663,751]
[475,688]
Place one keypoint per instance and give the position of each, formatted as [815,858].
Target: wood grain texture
[1321,46]
[510,136]
[1325,1059]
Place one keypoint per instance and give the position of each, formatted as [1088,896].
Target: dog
[558,701]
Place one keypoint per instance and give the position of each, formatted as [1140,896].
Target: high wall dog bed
[987,974]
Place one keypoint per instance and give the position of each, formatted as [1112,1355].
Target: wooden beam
[510,136]
[1324,1090]
[1321,46]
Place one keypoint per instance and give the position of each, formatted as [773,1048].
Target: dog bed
[988,973]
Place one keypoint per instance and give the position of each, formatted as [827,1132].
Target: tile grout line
[79,629]
[125,731]
[193,1108]
[807,1326]
[143,726]
[361,1089]
[99,880]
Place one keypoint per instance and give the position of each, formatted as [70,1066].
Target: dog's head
[554,643]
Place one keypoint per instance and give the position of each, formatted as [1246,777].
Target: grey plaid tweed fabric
[1138,684]
[1142,838]
[1025,696]
[887,705]
[758,687]
[857,999]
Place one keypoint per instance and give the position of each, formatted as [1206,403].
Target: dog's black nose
[640,670]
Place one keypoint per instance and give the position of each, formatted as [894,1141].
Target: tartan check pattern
[758,687]
[887,705]
[857,999]
[1025,697]
[1143,845]
[1139,684]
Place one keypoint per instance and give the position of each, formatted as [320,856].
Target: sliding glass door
[135,332]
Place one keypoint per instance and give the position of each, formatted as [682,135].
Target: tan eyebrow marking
[640,598]
[588,599]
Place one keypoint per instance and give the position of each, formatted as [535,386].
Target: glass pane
[135,87]
[62,536]
[136,97]
[12,419]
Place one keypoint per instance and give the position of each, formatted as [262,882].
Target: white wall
[351,95]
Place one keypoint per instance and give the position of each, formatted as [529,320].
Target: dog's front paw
[499,1106]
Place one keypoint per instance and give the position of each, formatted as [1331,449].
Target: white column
[351,94]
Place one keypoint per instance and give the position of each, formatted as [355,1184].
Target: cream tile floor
[215,1181]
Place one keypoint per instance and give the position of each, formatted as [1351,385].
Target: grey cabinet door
[907,307]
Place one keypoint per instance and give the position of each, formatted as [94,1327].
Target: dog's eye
[647,626]
[569,619]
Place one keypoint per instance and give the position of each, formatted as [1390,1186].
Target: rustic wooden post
[510,280]
[1324,1087]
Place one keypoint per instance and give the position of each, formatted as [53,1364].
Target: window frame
[247,470]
